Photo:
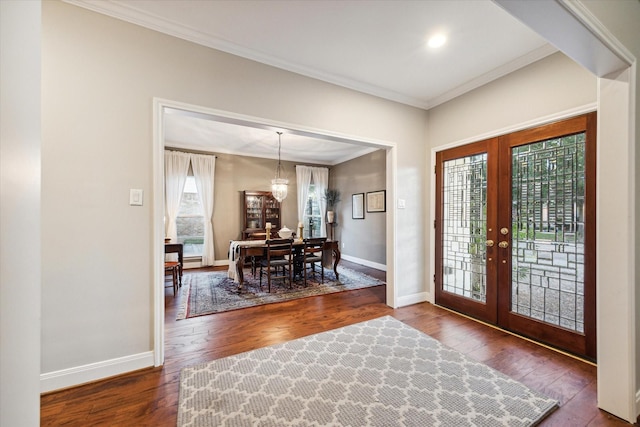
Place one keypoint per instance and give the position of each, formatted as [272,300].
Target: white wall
[100,76]
[20,213]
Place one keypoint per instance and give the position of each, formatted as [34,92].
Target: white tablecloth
[234,252]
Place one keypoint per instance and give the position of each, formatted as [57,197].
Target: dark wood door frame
[497,309]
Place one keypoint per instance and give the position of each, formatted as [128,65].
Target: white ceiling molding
[553,20]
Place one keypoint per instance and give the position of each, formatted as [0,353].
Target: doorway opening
[161,107]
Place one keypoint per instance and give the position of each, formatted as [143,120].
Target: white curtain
[176,167]
[320,177]
[203,173]
[303,180]
[320,184]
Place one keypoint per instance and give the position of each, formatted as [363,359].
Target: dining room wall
[361,240]
[367,241]
[231,180]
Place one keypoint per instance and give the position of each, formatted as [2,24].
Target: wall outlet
[342,245]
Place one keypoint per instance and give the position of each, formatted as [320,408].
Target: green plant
[332,196]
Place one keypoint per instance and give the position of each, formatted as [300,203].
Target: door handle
[489,243]
[503,244]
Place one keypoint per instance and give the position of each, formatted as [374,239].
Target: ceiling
[376,47]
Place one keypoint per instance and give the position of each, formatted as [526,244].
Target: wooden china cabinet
[260,207]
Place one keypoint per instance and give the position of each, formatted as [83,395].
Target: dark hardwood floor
[149,397]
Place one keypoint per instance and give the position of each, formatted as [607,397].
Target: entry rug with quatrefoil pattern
[375,373]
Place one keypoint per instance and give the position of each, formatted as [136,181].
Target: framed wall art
[357,206]
[376,201]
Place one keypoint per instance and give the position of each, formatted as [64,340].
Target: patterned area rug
[214,292]
[375,373]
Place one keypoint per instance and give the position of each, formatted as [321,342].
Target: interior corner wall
[100,76]
[20,264]
[361,239]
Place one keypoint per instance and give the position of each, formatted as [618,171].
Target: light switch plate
[401,203]
[135,197]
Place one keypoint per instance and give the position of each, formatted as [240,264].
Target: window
[190,220]
[312,216]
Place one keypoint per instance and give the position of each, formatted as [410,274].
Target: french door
[515,232]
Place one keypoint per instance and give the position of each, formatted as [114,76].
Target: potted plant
[332,197]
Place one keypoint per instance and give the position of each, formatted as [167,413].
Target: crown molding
[128,13]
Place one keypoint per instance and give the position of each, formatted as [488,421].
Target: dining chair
[312,255]
[277,261]
[174,267]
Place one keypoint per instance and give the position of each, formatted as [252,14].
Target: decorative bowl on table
[285,233]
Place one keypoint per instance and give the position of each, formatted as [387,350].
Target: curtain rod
[183,150]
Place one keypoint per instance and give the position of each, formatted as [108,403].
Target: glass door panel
[464,226]
[254,212]
[548,199]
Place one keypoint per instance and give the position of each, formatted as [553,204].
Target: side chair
[277,261]
[174,267]
[312,255]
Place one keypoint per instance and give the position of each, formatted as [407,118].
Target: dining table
[240,250]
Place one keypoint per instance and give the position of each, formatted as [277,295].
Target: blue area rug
[213,292]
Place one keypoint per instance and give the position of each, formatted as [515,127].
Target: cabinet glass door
[254,212]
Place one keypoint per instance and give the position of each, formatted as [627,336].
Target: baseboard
[191,264]
[364,262]
[70,377]
[412,299]
[198,264]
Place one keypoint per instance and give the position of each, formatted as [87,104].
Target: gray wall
[361,238]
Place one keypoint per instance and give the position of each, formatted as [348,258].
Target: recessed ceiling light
[437,41]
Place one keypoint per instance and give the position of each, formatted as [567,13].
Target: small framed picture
[357,206]
[376,201]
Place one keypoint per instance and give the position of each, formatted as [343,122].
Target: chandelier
[279,185]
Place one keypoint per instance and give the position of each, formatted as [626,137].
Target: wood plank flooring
[149,397]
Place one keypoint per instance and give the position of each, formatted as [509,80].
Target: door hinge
[434,278]
[434,223]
